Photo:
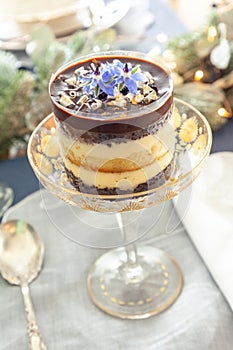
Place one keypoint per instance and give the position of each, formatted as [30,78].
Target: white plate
[15,26]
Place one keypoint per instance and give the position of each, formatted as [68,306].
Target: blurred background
[192,13]
[36,37]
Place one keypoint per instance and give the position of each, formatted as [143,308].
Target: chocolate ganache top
[111,93]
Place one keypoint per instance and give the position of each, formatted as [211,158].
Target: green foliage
[14,103]
[46,54]
[24,99]
[190,48]
[85,41]
[8,69]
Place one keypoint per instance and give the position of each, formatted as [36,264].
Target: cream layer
[126,180]
[140,152]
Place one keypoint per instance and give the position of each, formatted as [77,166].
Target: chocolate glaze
[121,122]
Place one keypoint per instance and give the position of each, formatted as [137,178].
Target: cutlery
[21,257]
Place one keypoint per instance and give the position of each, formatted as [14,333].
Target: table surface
[199,319]
[18,174]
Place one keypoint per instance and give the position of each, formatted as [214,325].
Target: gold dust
[166,274]
[53,130]
[149,300]
[102,287]
[131,303]
[89,206]
[49,146]
[114,300]
[43,164]
[200,143]
[106,294]
[43,134]
[156,294]
[165,282]
[169,194]
[132,206]
[189,130]
[121,302]
[44,142]
[173,179]
[163,267]
[177,119]
[162,289]
[140,302]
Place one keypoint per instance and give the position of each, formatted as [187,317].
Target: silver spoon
[21,257]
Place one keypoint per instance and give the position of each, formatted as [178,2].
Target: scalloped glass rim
[131,195]
[118,53]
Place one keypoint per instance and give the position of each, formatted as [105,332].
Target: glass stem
[132,271]
[131,251]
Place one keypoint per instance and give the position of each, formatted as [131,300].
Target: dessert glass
[129,282]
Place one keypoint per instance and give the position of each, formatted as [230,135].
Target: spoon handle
[35,341]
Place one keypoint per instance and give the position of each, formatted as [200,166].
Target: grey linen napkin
[200,318]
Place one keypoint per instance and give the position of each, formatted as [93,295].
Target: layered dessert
[114,122]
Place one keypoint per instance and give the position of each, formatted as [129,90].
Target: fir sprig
[14,103]
[24,94]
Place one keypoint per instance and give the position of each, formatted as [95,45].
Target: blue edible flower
[129,76]
[105,77]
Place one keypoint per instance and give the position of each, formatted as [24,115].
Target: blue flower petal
[101,85]
[118,63]
[85,79]
[107,88]
[119,80]
[93,83]
[139,77]
[116,71]
[107,75]
[112,75]
[87,88]
[131,85]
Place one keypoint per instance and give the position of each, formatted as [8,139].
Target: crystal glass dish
[48,166]
[129,282]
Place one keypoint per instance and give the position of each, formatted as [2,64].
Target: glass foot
[114,289]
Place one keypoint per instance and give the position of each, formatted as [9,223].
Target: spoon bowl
[21,258]
[21,252]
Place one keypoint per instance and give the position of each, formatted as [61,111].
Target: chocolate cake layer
[152,183]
